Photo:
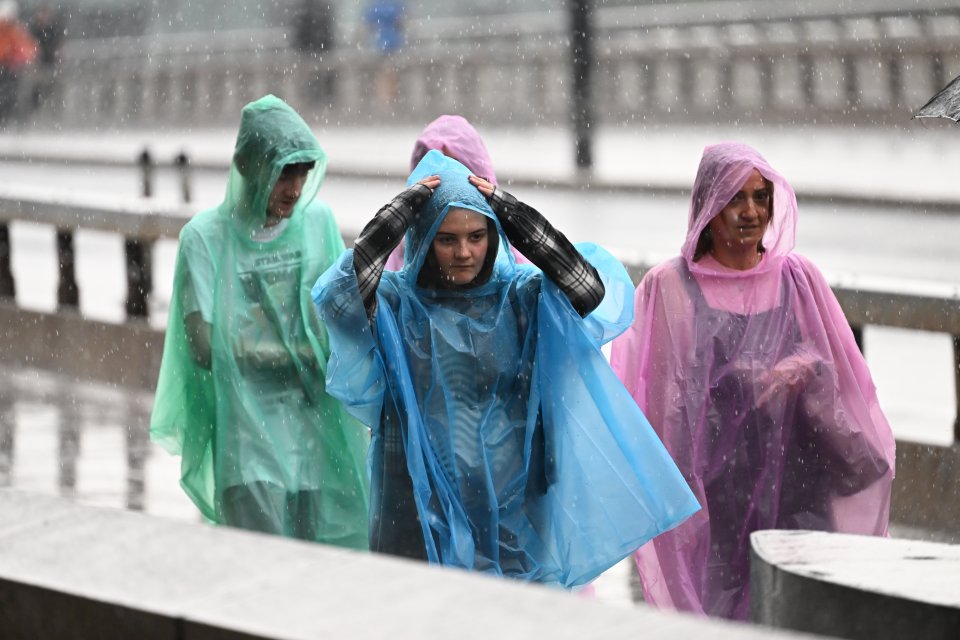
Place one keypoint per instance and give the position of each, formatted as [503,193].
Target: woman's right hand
[791,375]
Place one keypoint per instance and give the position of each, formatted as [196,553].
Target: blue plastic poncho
[241,389]
[525,454]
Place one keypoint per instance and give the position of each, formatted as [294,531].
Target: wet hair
[298,167]
[705,241]
[430,276]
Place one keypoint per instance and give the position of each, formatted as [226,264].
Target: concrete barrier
[75,572]
[856,587]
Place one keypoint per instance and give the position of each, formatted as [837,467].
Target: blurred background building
[156,62]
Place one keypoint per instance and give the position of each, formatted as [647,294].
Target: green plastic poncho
[241,394]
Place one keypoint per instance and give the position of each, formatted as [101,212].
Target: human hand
[790,375]
[430,181]
[483,185]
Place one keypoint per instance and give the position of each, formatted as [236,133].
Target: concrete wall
[82,573]
[856,587]
[81,349]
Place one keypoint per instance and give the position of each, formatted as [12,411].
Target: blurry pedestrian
[456,138]
[315,39]
[241,391]
[742,359]
[18,50]
[502,440]
[48,30]
[385,21]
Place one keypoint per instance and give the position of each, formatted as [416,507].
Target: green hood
[271,136]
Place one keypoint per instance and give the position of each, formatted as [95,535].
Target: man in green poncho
[241,392]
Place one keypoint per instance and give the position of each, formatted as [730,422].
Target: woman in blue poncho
[502,440]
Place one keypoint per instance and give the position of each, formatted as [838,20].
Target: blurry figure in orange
[18,50]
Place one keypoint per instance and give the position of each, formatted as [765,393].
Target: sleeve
[380,237]
[196,296]
[355,371]
[196,293]
[549,250]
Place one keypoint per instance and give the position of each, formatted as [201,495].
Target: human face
[460,245]
[739,227]
[286,192]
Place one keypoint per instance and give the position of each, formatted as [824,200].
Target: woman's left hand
[484,186]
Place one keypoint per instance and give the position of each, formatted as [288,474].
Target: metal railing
[870,61]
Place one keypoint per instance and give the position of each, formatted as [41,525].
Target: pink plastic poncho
[455,137]
[754,383]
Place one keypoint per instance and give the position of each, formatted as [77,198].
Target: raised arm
[546,247]
[382,235]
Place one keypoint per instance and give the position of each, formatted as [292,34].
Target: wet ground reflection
[90,442]
[85,441]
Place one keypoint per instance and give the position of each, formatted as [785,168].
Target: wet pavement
[89,442]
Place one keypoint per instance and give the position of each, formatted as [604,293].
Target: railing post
[851,84]
[895,81]
[858,336]
[68,294]
[182,162]
[139,280]
[8,288]
[767,85]
[145,160]
[807,82]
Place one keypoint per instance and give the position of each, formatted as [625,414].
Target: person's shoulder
[202,222]
[803,264]
[317,210]
[203,228]
[666,273]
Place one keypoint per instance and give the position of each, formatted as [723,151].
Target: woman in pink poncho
[456,138]
[742,360]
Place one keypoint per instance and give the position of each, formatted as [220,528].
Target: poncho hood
[455,191]
[454,136]
[723,170]
[271,136]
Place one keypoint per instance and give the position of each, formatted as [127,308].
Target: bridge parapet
[68,571]
[855,586]
[818,62]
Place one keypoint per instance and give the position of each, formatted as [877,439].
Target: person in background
[48,30]
[18,50]
[241,393]
[314,38]
[456,138]
[384,20]
[502,440]
[742,359]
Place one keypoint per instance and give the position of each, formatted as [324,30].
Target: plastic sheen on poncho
[456,138]
[754,383]
[263,445]
[527,456]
